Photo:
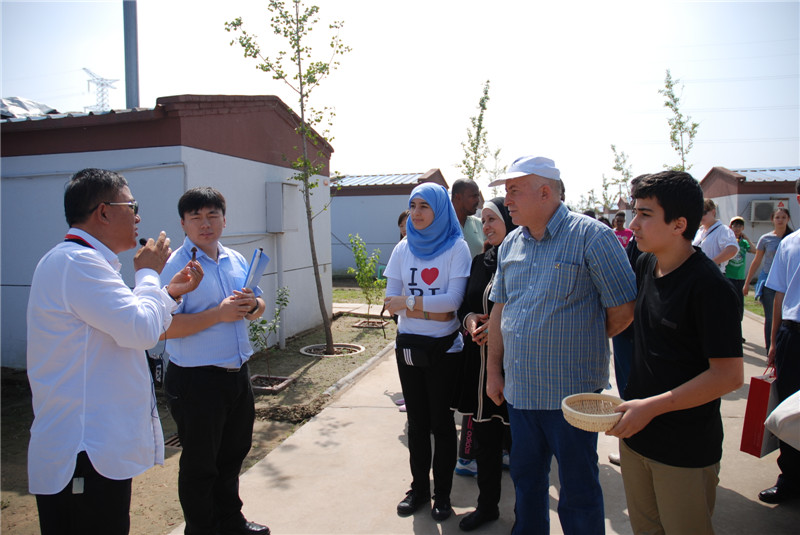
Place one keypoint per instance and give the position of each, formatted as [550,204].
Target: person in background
[401,223]
[604,220]
[490,420]
[466,198]
[687,355]
[208,382]
[765,252]
[562,287]
[735,270]
[95,423]
[715,239]
[784,280]
[426,278]
[623,234]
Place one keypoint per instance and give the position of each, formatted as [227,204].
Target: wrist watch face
[410,300]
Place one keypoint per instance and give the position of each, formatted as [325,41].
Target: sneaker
[506,460]
[441,509]
[402,408]
[411,503]
[467,468]
[613,458]
[400,401]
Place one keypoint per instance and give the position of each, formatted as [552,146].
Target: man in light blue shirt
[784,353]
[466,197]
[563,286]
[208,383]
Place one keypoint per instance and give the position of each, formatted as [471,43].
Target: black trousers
[428,392]
[103,506]
[214,410]
[489,438]
[787,381]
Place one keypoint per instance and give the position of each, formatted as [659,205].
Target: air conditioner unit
[761,211]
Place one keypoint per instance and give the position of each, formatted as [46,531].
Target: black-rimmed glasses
[132,204]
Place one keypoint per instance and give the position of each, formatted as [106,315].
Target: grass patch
[348,295]
[753,306]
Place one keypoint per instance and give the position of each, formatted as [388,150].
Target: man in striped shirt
[563,286]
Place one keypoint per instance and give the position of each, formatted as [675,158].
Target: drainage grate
[173,441]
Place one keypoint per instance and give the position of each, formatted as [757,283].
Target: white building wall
[32,221]
[373,218]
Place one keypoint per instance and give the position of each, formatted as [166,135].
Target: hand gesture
[246,296]
[153,254]
[233,308]
[186,280]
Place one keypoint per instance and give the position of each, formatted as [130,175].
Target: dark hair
[403,216]
[590,213]
[87,189]
[678,193]
[462,184]
[603,219]
[198,198]
[620,213]
[785,211]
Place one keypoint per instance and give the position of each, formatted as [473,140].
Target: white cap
[529,165]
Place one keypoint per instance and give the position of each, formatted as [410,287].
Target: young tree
[476,148]
[365,271]
[496,171]
[617,186]
[681,129]
[302,74]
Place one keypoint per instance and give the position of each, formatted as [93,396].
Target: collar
[107,253]
[187,250]
[553,226]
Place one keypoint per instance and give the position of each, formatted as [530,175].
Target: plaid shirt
[555,293]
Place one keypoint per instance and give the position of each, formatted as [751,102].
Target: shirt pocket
[565,282]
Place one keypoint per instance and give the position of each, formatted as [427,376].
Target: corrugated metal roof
[379,180]
[774,174]
[56,115]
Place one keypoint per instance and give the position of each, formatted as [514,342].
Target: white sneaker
[467,468]
[506,460]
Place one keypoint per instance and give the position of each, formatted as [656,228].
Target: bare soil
[154,507]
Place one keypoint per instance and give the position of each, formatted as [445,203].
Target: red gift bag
[761,400]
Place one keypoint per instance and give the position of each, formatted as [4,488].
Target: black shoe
[476,519]
[441,509]
[411,503]
[777,495]
[248,528]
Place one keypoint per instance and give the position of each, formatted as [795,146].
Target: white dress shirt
[91,385]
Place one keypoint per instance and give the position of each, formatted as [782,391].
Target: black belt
[220,369]
[791,325]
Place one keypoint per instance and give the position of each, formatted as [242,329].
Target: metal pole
[131,54]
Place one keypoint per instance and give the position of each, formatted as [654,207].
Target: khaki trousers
[665,499]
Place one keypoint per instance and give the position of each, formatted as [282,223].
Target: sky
[567,79]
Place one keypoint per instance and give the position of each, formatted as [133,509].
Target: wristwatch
[410,301]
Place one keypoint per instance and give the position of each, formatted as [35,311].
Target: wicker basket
[591,412]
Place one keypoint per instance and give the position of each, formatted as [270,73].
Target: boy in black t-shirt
[687,354]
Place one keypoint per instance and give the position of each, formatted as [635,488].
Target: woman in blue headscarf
[426,279]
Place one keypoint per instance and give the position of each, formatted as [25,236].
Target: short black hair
[678,193]
[87,189]
[797,186]
[462,184]
[199,198]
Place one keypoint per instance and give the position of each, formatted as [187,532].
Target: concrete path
[345,470]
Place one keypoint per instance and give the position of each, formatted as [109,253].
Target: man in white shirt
[95,422]
[716,240]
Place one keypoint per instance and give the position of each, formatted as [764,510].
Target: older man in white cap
[563,286]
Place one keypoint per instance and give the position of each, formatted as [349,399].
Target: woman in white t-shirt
[426,279]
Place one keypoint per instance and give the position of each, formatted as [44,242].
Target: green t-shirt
[735,268]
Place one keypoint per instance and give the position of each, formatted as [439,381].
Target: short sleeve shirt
[682,320]
[555,292]
[784,276]
[473,234]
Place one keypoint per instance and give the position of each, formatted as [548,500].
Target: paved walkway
[345,470]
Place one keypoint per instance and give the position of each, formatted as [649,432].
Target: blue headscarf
[445,229]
